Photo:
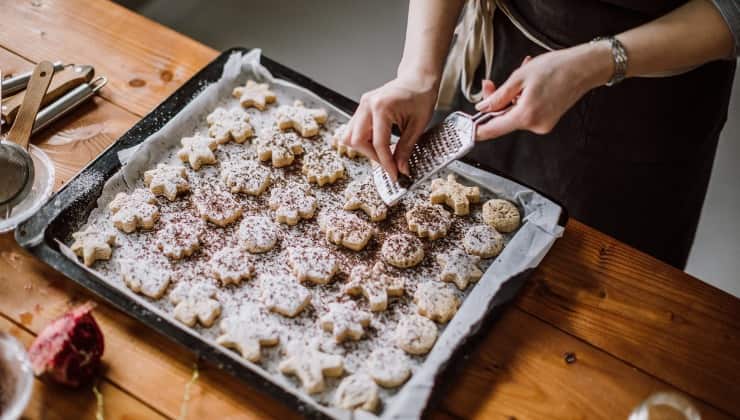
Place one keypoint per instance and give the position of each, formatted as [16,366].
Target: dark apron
[632,160]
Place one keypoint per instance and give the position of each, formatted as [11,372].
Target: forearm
[429,30]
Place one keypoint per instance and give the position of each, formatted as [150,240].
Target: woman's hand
[407,102]
[543,89]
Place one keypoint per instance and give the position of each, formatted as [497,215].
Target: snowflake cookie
[483,241]
[195,304]
[345,229]
[292,203]
[216,206]
[388,366]
[402,250]
[345,321]
[322,167]
[283,295]
[305,121]
[310,365]
[167,180]
[458,267]
[428,220]
[363,195]
[501,215]
[224,126]
[145,277]
[457,196]
[92,244]
[197,151]
[246,176]
[436,301]
[134,211]
[341,148]
[254,94]
[415,334]
[313,264]
[231,265]
[357,392]
[248,331]
[279,148]
[375,283]
[179,239]
[258,234]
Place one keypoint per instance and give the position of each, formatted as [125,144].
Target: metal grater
[447,141]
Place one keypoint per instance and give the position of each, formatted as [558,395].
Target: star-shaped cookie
[310,365]
[313,264]
[134,211]
[375,283]
[216,206]
[195,304]
[457,196]
[246,176]
[458,267]
[363,195]
[146,277]
[179,239]
[345,321]
[93,244]
[231,265]
[248,331]
[322,167]
[292,203]
[282,294]
[345,229]
[305,121]
[254,94]
[167,180]
[226,125]
[197,151]
[279,148]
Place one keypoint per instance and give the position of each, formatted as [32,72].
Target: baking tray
[69,208]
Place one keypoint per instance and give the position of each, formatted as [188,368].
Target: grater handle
[483,117]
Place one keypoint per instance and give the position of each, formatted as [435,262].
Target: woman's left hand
[543,89]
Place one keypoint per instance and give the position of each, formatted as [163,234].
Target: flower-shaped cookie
[248,331]
[179,239]
[416,334]
[149,278]
[279,148]
[226,125]
[282,294]
[305,121]
[310,365]
[216,206]
[258,234]
[454,194]
[231,265]
[345,321]
[458,267]
[292,203]
[402,250]
[346,229]
[375,283]
[167,180]
[312,264]
[363,195]
[436,301]
[336,143]
[93,244]
[254,94]
[197,151]
[428,220]
[483,241]
[134,211]
[357,392]
[388,366]
[195,304]
[501,215]
[246,176]
[323,167]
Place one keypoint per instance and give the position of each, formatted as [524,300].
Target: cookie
[248,331]
[402,250]
[258,234]
[375,283]
[224,126]
[428,220]
[145,277]
[253,94]
[305,121]
[216,206]
[388,366]
[310,365]
[501,215]
[283,295]
[362,195]
[231,266]
[195,304]
[322,167]
[292,203]
[279,148]
[93,244]
[436,301]
[133,211]
[179,239]
[345,229]
[458,267]
[336,143]
[345,321]
[197,151]
[246,176]
[313,264]
[415,334]
[357,392]
[483,241]
[167,181]
[457,196]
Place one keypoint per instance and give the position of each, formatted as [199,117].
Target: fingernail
[480,105]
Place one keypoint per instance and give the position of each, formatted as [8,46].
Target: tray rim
[34,235]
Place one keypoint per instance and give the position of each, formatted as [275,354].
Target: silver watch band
[619,55]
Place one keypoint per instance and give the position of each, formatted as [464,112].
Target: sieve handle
[21,130]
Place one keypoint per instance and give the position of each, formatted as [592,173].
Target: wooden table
[634,324]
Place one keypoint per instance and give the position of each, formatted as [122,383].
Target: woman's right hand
[407,102]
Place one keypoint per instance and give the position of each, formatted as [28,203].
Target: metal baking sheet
[69,209]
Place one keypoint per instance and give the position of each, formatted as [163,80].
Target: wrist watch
[619,55]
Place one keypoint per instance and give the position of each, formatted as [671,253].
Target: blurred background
[353,46]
